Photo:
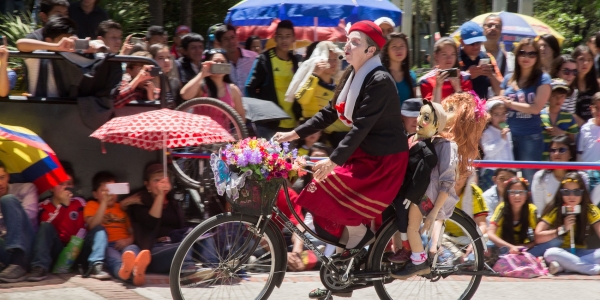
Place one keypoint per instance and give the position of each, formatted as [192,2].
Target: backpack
[523,265]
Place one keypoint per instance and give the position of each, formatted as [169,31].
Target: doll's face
[425,126]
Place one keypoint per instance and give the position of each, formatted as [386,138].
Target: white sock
[355,235]
[404,236]
[418,257]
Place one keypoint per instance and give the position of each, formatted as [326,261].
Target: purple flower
[242,159]
[255,157]
[286,148]
[295,152]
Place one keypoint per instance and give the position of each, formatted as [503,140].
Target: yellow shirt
[479,208]
[283,72]
[593,217]
[313,96]
[498,219]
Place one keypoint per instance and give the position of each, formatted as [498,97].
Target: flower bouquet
[252,171]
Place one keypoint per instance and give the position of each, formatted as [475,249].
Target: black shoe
[13,273]
[37,274]
[98,272]
[322,294]
[410,270]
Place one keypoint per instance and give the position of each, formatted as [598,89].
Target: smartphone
[136,40]
[118,188]
[571,210]
[220,68]
[451,72]
[82,44]
[484,61]
[503,125]
[155,71]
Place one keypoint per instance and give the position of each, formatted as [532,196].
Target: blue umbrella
[310,12]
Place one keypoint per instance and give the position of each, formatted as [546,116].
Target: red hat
[371,30]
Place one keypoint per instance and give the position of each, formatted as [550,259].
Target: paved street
[297,286]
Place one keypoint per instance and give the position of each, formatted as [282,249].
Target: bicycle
[249,260]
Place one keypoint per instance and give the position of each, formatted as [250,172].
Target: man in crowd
[270,77]
[111,34]
[49,8]
[179,33]
[386,24]
[241,59]
[492,29]
[156,35]
[483,76]
[87,15]
[18,223]
[192,48]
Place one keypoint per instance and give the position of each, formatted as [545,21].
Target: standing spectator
[270,77]
[555,121]
[192,48]
[496,141]
[526,92]
[483,76]
[445,55]
[595,49]
[241,59]
[160,53]
[386,24]
[395,57]
[18,223]
[492,29]
[565,67]
[410,110]
[586,81]
[254,43]
[546,182]
[111,34]
[549,51]
[49,8]
[495,195]
[589,141]
[137,83]
[87,15]
[176,48]
[156,35]
[557,228]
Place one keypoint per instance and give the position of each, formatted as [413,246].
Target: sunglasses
[567,192]
[561,150]
[530,54]
[517,192]
[569,71]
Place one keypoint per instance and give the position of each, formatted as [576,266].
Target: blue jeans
[584,261]
[540,249]
[528,148]
[163,254]
[19,231]
[113,257]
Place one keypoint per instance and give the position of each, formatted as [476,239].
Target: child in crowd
[558,226]
[122,256]
[496,141]
[410,111]
[136,84]
[305,145]
[589,140]
[495,195]
[555,121]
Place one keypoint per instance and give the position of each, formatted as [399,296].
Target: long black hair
[567,141]
[405,65]
[591,83]
[249,42]
[557,66]
[508,230]
[210,84]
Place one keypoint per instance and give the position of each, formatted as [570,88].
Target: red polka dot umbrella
[161,129]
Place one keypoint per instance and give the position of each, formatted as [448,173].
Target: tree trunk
[186,12]
[156,12]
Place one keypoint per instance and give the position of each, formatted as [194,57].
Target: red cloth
[358,192]
[371,30]
[125,94]
[427,84]
[67,220]
[285,209]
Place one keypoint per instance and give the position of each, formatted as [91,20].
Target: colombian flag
[29,159]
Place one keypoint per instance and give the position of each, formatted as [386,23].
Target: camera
[451,72]
[155,71]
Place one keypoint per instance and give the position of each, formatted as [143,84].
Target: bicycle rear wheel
[442,283]
[209,263]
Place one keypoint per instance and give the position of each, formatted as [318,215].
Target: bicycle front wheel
[442,283]
[214,260]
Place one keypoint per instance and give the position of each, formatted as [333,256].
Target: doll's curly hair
[465,128]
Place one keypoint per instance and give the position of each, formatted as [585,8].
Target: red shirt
[67,220]
[427,84]
[285,209]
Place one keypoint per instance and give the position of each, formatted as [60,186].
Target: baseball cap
[411,107]
[558,83]
[471,32]
[182,28]
[385,20]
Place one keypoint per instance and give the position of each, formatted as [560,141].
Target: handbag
[523,265]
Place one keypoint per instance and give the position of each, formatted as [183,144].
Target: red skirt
[358,192]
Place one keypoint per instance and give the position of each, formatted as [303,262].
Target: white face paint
[355,49]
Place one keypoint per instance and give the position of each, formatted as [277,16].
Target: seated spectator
[295,263]
[61,217]
[48,9]
[495,195]
[445,55]
[218,86]
[122,256]
[158,224]
[546,182]
[555,121]
[588,147]
[192,49]
[160,53]
[156,35]
[496,141]
[176,48]
[241,59]
[18,223]
[87,14]
[140,88]
[253,43]
[411,108]
[557,227]
[305,145]
[565,68]
[111,34]
[317,150]
[514,220]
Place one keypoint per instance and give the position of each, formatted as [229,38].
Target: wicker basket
[257,197]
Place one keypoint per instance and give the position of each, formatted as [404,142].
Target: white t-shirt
[494,146]
[589,142]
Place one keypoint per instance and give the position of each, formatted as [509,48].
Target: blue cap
[471,32]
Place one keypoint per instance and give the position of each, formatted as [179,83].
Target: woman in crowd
[162,55]
[219,86]
[254,43]
[546,182]
[565,67]
[586,81]
[445,55]
[549,50]
[525,93]
[396,58]
[496,141]
[557,226]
